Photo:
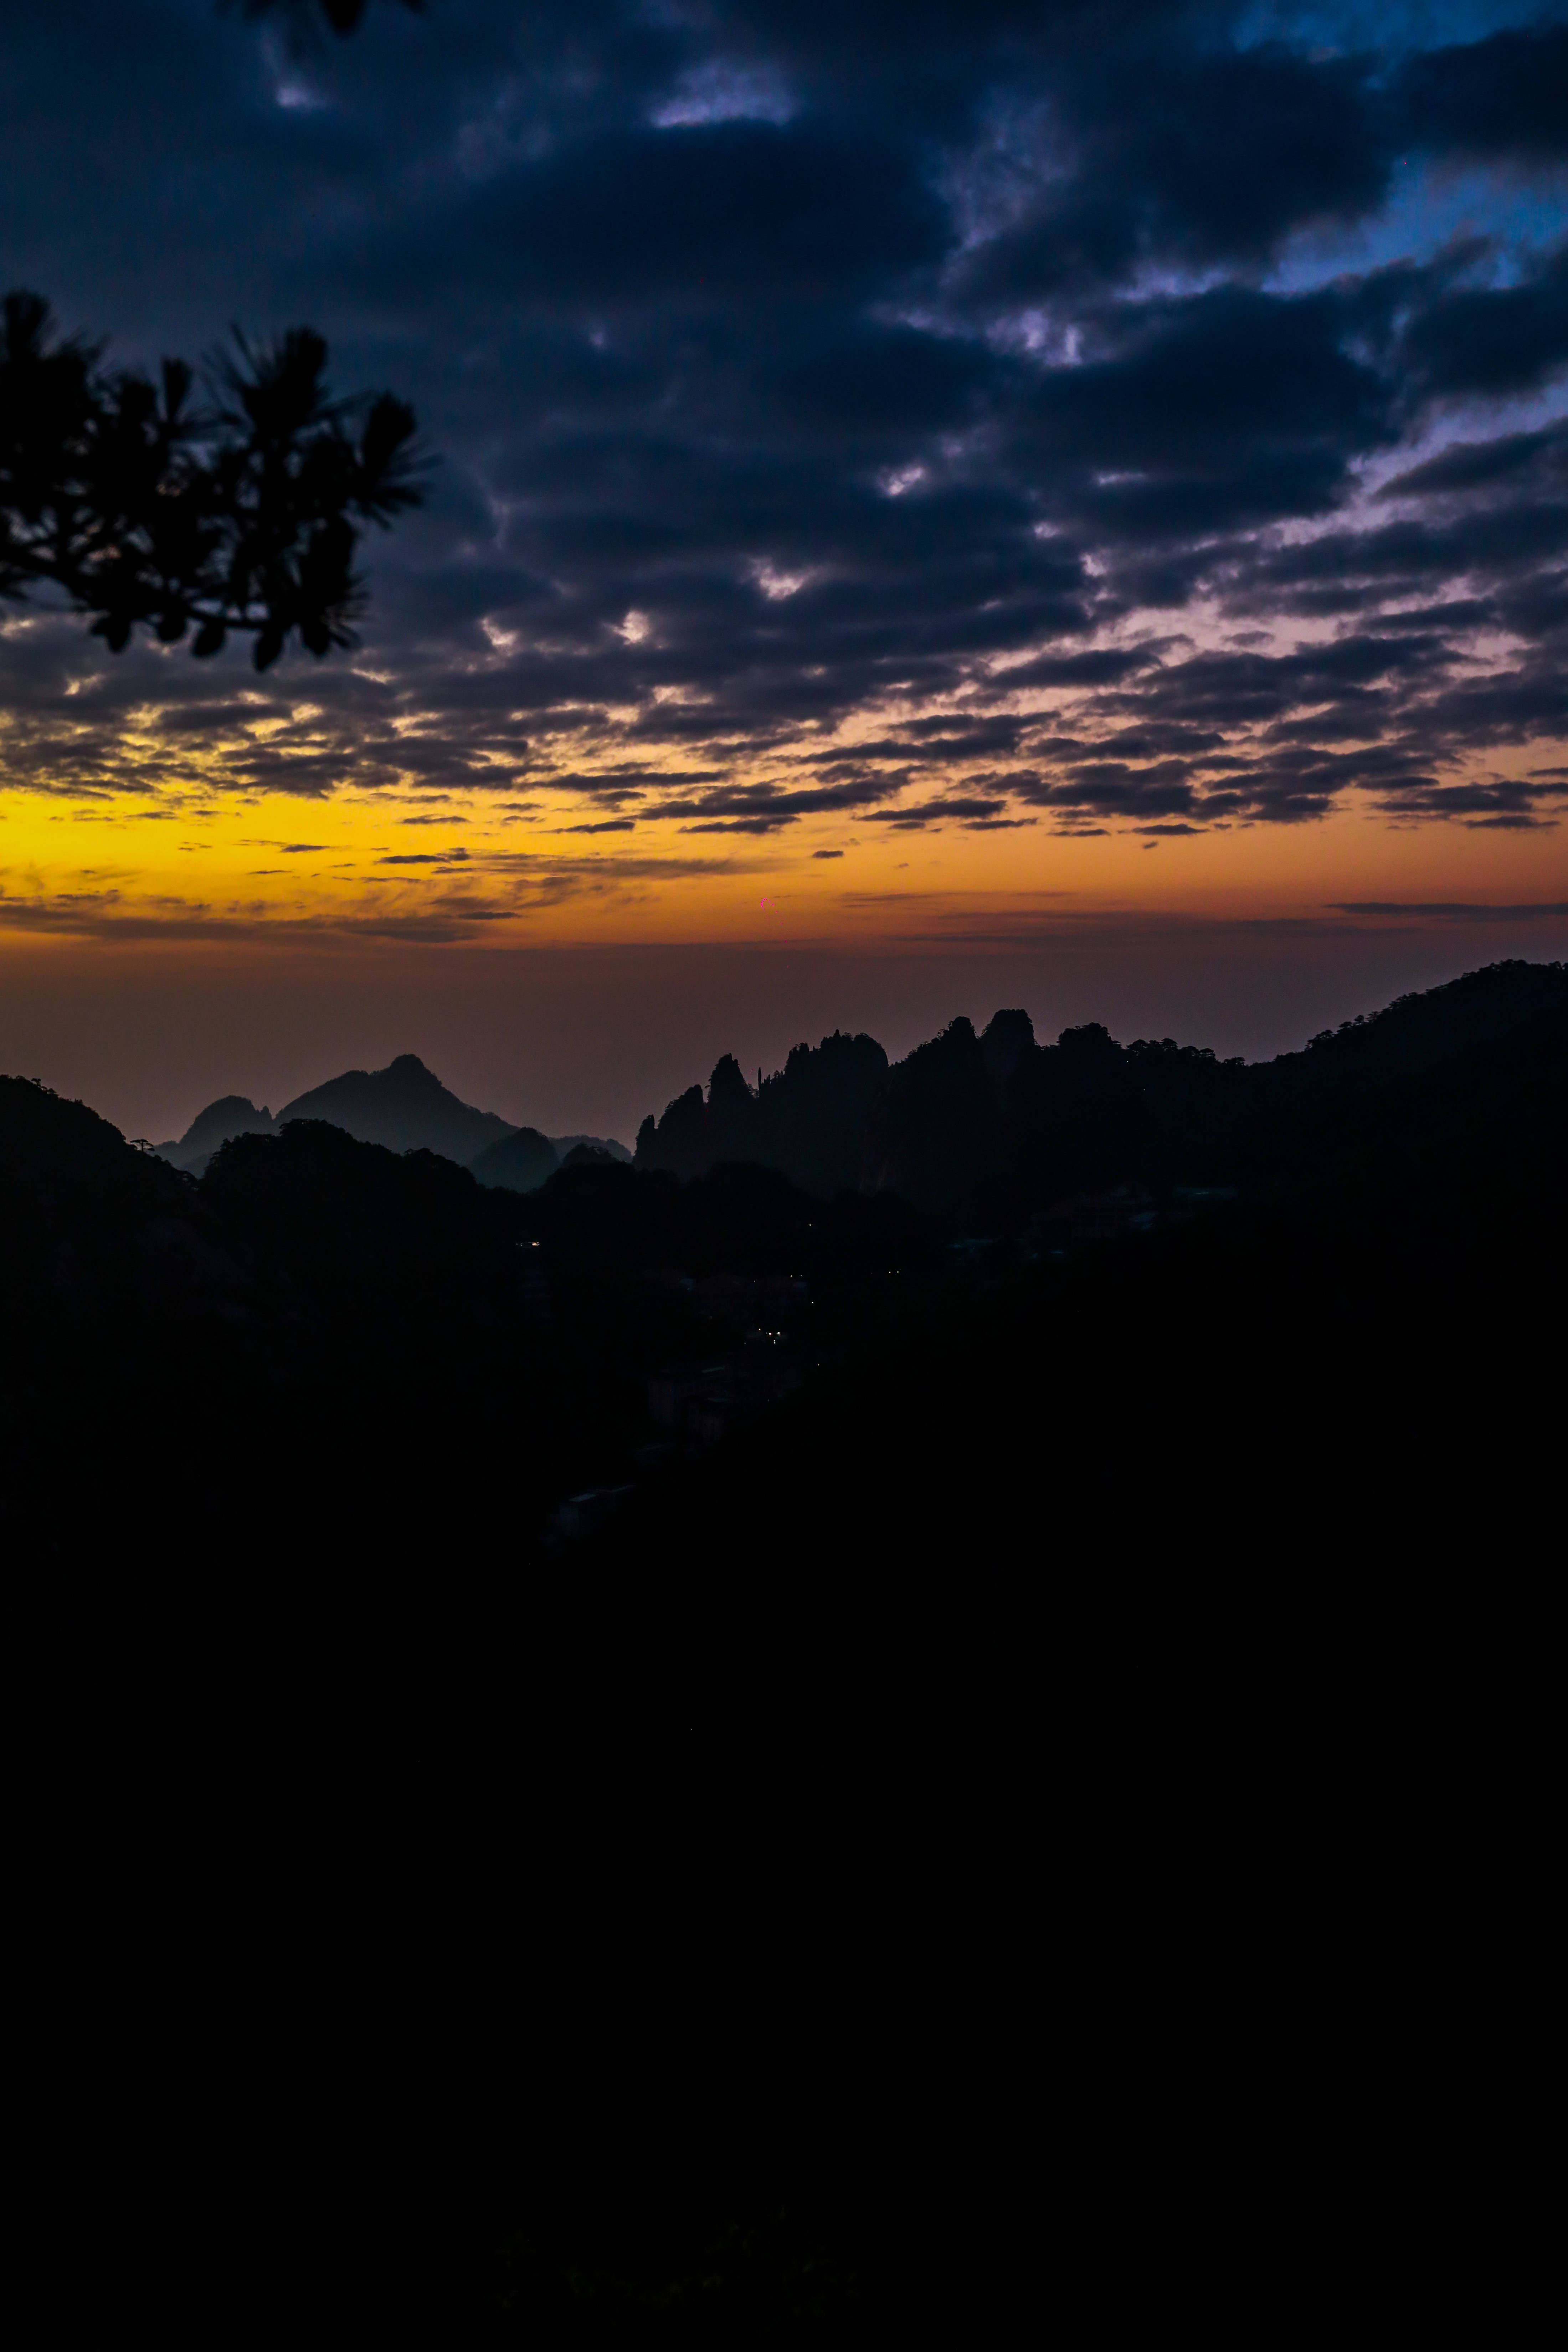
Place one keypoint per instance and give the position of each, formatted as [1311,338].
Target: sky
[931,505]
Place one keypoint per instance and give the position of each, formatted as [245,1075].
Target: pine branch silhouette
[143,507]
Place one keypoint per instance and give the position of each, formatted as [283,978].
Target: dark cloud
[1506,96]
[1113,788]
[1483,465]
[1232,406]
[830,398]
[1105,666]
[958,807]
[1458,911]
[749,211]
[1493,340]
[1189,153]
[948,736]
[1507,804]
[881,381]
[763,808]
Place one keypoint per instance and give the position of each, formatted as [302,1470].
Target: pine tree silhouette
[144,507]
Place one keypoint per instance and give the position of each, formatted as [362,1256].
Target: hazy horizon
[591,1041]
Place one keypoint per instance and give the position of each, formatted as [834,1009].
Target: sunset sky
[931,505]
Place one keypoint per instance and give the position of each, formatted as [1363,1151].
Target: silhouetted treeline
[995,1124]
[81,1211]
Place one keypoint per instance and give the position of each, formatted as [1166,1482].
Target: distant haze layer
[591,1041]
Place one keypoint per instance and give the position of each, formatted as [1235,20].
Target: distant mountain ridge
[231,1115]
[404,1107]
[1304,1294]
[519,1162]
[986,1123]
[982,1122]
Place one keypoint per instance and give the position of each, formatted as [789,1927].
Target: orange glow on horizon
[276,868]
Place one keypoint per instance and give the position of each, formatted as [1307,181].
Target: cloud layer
[975,416]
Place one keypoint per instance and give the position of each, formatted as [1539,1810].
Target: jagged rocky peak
[221,1121]
[1008,1039]
[728,1084]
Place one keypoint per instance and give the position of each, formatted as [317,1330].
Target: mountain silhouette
[985,1126]
[810,1119]
[76,1200]
[231,1115]
[405,1107]
[992,1126]
[1345,1230]
[1418,1031]
[1470,1076]
[935,1130]
[519,1162]
[606,1143]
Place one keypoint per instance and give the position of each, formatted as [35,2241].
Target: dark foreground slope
[1353,1368]
[394,1364]
[390,1356]
[926,1766]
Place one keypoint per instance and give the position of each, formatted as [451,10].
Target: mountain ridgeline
[404,1107]
[989,1125]
[948,1266]
[986,1126]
